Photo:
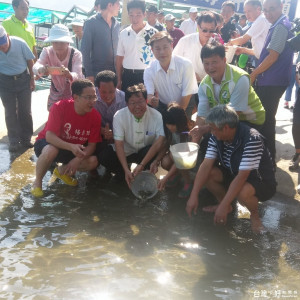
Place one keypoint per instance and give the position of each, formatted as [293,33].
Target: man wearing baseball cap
[151,15]
[174,32]
[16,84]
[190,25]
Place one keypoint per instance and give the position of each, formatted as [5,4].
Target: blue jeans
[289,90]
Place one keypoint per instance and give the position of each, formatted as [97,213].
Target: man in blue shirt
[16,84]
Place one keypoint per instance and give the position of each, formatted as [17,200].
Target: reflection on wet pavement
[96,241]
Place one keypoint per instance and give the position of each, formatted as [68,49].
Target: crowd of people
[123,95]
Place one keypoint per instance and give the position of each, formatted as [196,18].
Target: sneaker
[37,192]
[286,104]
[65,178]
[186,190]
[294,163]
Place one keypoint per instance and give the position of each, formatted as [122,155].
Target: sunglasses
[206,30]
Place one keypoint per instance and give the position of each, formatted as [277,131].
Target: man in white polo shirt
[190,46]
[257,32]
[134,51]
[172,77]
[138,134]
[190,25]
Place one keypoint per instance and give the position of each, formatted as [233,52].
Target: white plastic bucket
[230,51]
[185,155]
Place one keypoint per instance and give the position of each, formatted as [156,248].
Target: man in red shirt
[69,137]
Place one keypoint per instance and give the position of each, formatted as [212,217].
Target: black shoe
[27,144]
[294,163]
[14,147]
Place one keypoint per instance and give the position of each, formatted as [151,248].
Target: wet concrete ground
[95,242]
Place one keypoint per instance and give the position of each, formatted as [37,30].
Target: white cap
[77,22]
[193,10]
[3,36]
[59,33]
[169,17]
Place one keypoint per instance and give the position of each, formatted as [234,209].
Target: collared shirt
[99,45]
[107,111]
[238,98]
[14,62]
[190,47]
[188,26]
[15,27]
[137,133]
[135,47]
[177,82]
[176,35]
[258,33]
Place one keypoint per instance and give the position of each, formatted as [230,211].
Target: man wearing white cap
[61,61]
[77,27]
[174,32]
[190,25]
[16,84]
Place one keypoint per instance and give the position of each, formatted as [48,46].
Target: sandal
[186,190]
[37,192]
[65,178]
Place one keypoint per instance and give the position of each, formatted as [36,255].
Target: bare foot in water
[256,224]
[213,208]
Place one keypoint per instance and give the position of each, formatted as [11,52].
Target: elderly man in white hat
[77,28]
[174,32]
[190,25]
[16,84]
[61,61]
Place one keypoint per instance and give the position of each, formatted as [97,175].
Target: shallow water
[96,241]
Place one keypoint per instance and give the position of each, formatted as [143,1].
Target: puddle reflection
[97,242]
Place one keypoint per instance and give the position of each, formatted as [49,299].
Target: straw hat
[59,33]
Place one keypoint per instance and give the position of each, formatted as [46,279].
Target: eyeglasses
[140,103]
[88,97]
[206,30]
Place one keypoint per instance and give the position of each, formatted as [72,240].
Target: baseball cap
[169,17]
[152,8]
[193,10]
[3,36]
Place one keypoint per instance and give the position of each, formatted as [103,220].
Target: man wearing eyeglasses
[69,137]
[190,45]
[274,68]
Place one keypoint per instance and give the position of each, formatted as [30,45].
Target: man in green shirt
[17,25]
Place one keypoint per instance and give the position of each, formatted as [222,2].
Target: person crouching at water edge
[237,164]
[69,137]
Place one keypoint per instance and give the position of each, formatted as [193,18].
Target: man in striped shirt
[237,165]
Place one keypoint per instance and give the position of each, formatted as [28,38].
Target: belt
[14,77]
[132,71]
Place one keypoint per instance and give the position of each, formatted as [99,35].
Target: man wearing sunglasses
[190,45]
[69,137]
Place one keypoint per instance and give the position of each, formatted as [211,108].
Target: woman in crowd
[61,61]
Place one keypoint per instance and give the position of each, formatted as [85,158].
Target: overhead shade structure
[289,6]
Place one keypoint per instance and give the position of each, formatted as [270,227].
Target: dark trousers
[15,94]
[296,122]
[131,77]
[108,158]
[269,97]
